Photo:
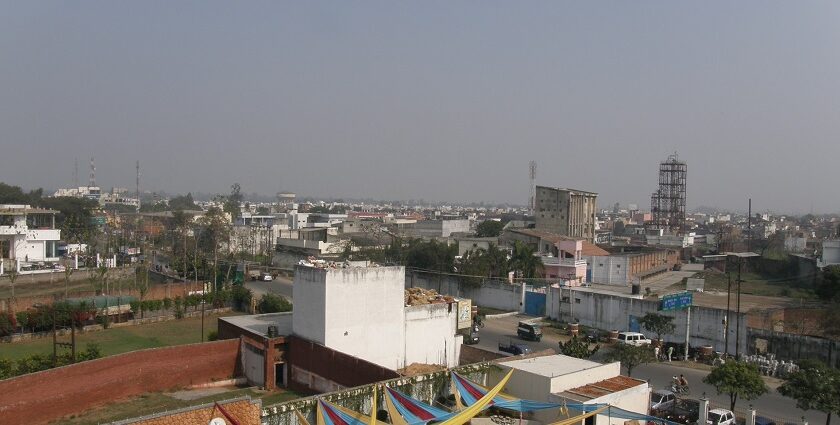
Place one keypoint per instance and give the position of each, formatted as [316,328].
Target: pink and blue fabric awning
[414,411]
[470,392]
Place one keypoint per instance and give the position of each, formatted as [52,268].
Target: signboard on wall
[676,301]
[464,313]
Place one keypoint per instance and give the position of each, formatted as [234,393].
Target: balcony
[562,262]
[12,230]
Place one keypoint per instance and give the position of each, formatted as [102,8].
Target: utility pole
[738,312]
[726,325]
[687,329]
[749,226]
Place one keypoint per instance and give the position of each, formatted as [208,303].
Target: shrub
[212,336]
[270,303]
[8,323]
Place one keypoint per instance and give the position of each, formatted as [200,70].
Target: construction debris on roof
[420,369]
[420,296]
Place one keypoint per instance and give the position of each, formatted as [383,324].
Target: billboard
[464,313]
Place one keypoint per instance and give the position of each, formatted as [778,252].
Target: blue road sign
[676,301]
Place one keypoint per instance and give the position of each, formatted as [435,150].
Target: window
[49,249]
[577,300]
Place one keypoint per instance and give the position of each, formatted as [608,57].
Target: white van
[632,338]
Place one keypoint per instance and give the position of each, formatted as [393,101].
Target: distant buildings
[566,212]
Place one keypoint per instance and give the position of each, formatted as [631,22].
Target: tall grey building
[566,212]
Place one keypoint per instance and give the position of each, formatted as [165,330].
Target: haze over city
[432,100]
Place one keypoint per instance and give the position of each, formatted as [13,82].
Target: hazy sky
[436,100]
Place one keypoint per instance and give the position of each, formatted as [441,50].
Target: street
[771,404]
[279,286]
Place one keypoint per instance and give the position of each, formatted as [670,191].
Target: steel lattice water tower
[667,205]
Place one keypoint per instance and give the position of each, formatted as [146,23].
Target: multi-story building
[566,212]
[28,234]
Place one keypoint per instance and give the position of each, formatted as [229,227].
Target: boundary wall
[45,396]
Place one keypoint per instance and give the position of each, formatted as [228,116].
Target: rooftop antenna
[532,174]
[92,180]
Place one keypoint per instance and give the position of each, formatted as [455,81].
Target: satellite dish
[217,421]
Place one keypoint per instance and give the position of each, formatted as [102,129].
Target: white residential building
[361,311]
[28,234]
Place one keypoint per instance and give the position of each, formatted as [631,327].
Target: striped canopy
[405,410]
[470,392]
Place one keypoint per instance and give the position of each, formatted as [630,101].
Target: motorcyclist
[683,382]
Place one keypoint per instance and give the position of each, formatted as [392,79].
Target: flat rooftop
[259,323]
[551,366]
[601,388]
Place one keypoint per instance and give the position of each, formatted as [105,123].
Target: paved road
[279,286]
[659,375]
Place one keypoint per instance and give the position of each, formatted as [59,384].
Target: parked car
[721,417]
[662,400]
[682,411]
[515,349]
[632,338]
[266,277]
[529,331]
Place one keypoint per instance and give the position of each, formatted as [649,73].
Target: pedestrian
[670,352]
[656,352]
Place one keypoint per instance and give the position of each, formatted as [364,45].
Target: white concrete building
[361,311]
[558,378]
[830,253]
[441,228]
[28,234]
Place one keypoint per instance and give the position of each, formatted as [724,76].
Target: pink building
[565,261]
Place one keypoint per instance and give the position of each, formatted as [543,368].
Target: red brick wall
[49,395]
[343,369]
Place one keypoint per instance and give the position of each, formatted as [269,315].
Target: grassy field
[120,340]
[757,284]
[148,404]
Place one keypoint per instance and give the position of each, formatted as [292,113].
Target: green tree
[489,229]
[141,284]
[74,218]
[270,303]
[474,266]
[181,203]
[578,347]
[216,229]
[659,324]
[814,386]
[737,379]
[524,262]
[233,201]
[828,284]
[15,195]
[631,356]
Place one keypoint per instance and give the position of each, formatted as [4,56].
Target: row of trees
[473,267]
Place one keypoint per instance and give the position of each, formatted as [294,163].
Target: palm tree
[524,262]
[498,260]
